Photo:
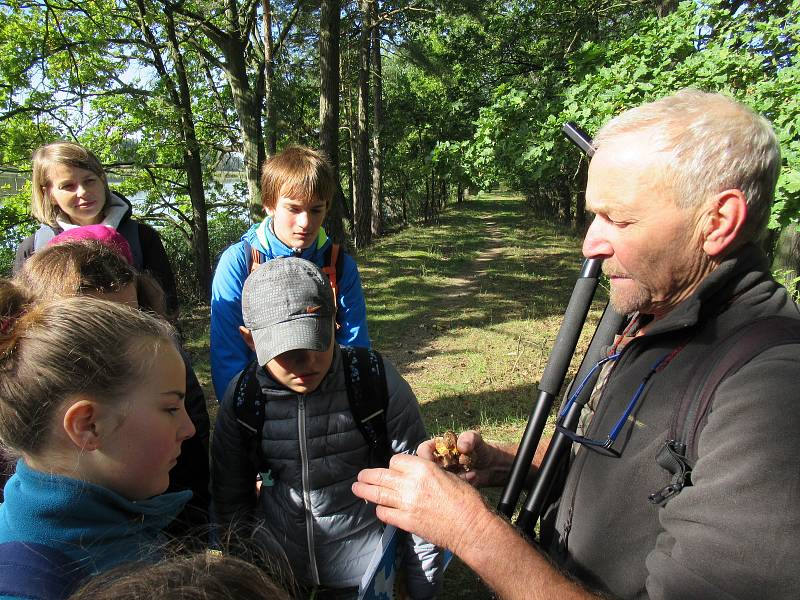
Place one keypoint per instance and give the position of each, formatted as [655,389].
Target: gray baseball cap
[287,304]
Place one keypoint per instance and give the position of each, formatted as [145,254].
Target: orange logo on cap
[312,309]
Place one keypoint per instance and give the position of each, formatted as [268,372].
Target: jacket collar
[38,503]
[275,248]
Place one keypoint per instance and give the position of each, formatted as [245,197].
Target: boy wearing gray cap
[309,439]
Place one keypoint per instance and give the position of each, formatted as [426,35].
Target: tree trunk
[234,45]
[271,133]
[181,98]
[363,209]
[193,164]
[352,135]
[377,122]
[248,106]
[665,7]
[565,201]
[580,199]
[330,15]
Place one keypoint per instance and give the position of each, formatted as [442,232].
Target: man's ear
[724,221]
[80,424]
[247,336]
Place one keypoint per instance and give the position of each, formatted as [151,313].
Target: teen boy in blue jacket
[297,186]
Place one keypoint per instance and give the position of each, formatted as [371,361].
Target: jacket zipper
[309,517]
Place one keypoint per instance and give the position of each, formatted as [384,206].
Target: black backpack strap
[129,229]
[369,398]
[248,407]
[679,452]
[36,571]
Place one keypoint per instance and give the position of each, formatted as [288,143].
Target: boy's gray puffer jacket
[314,450]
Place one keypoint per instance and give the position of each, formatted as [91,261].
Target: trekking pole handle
[579,137]
[560,444]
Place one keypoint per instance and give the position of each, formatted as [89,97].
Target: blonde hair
[300,172]
[714,143]
[79,267]
[53,350]
[202,576]
[64,153]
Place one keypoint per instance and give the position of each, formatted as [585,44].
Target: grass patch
[468,310]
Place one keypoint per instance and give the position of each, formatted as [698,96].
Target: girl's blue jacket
[92,525]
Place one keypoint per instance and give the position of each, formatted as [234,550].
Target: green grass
[467,309]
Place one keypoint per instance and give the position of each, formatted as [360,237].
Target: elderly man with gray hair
[681,190]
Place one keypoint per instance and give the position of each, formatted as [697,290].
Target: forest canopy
[416,102]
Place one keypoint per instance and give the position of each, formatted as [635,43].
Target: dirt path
[424,340]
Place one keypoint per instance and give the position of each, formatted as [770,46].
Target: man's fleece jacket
[734,532]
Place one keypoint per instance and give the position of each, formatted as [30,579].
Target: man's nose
[596,244]
[302,219]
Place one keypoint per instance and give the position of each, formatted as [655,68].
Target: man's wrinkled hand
[417,496]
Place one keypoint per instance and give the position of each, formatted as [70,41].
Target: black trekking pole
[552,379]
[557,364]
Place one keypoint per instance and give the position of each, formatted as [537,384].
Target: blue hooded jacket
[229,353]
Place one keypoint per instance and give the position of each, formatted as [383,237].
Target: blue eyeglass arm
[635,399]
[583,383]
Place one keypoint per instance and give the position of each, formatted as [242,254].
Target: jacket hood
[115,211]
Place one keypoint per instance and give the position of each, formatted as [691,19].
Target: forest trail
[458,294]
[467,309]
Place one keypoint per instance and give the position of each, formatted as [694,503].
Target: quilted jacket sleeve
[233,474]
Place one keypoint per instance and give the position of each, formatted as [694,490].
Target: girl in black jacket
[70,189]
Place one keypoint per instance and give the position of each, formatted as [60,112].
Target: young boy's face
[301,370]
[295,222]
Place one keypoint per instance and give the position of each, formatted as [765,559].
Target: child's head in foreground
[89,267]
[92,390]
[297,186]
[206,576]
[289,317]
